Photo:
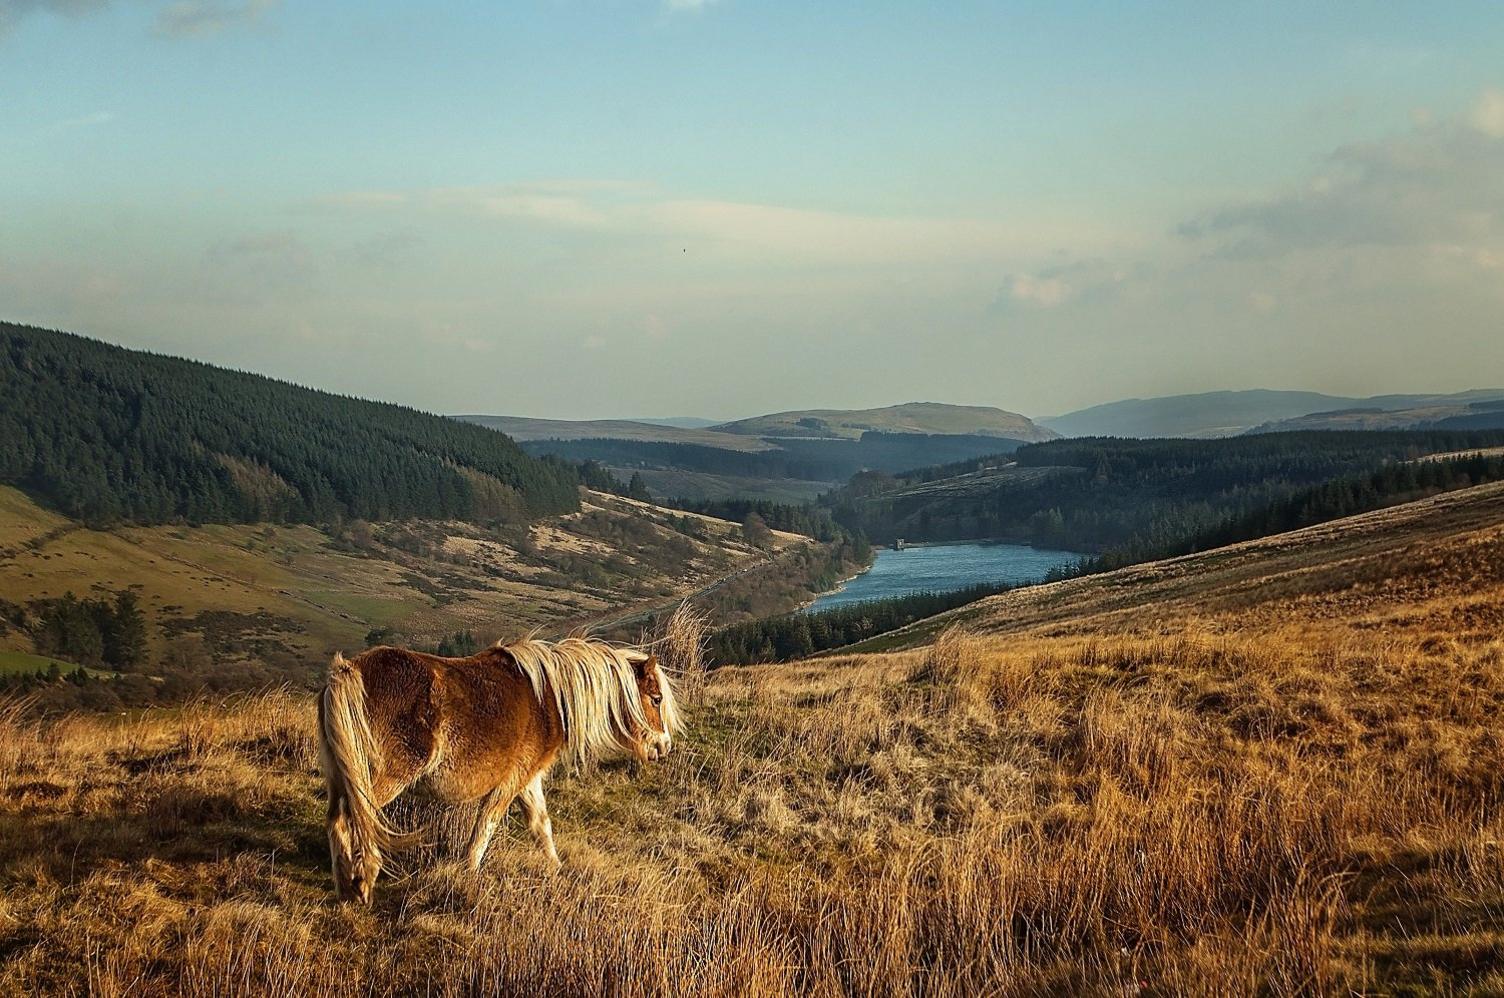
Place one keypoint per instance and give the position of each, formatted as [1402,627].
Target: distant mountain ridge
[933,418]
[1230,413]
[776,455]
[682,422]
[1479,409]
[526,428]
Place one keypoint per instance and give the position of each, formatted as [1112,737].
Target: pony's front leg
[492,809]
[537,818]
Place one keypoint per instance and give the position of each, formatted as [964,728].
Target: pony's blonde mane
[593,683]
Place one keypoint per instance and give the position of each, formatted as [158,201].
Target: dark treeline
[1389,486]
[92,632]
[1096,494]
[812,521]
[870,483]
[806,460]
[797,635]
[1230,461]
[1480,416]
[101,663]
[107,434]
[685,457]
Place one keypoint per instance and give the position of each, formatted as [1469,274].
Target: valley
[727,499]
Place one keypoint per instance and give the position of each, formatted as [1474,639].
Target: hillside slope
[107,434]
[1270,770]
[251,596]
[909,417]
[1409,565]
[1206,414]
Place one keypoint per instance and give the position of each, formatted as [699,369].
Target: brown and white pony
[486,728]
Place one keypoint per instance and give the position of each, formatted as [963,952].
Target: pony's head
[655,696]
[356,867]
[611,698]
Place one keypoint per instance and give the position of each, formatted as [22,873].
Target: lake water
[945,567]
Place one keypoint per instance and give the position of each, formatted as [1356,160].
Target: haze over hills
[683,422]
[528,428]
[1206,414]
[931,418]
[1474,410]
[1229,413]
[784,457]
[910,417]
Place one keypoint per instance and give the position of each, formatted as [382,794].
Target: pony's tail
[350,756]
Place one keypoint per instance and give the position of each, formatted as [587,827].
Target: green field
[20,662]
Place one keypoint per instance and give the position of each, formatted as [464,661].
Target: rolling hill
[1207,414]
[1471,410]
[729,461]
[107,434]
[1229,413]
[933,418]
[1268,769]
[527,428]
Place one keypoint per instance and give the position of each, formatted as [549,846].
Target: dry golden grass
[1257,804]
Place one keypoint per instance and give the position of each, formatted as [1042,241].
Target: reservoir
[943,567]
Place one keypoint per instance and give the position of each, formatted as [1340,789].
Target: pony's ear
[645,665]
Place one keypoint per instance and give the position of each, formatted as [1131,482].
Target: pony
[485,728]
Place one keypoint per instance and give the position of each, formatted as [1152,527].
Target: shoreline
[981,542]
[842,584]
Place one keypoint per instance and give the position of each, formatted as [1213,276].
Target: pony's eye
[657,699]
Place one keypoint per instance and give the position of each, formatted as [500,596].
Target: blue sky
[623,207]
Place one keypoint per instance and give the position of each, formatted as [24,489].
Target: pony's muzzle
[659,748]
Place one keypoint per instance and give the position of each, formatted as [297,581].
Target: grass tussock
[681,640]
[1278,811]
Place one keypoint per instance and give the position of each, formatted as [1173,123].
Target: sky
[593,208]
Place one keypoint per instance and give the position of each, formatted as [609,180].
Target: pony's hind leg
[537,817]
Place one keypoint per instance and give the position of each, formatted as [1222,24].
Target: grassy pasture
[1295,786]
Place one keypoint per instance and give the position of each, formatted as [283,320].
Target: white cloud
[739,230]
[1075,281]
[1440,182]
[1488,113]
[1046,292]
